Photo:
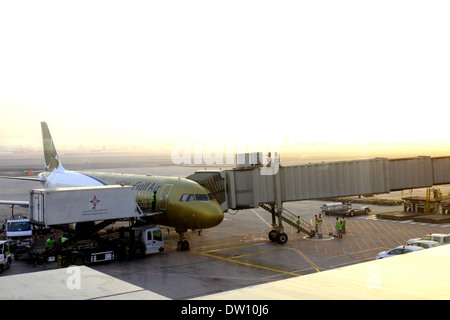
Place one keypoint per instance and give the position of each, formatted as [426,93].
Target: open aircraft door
[164,196]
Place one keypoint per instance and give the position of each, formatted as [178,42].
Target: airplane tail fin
[52,161]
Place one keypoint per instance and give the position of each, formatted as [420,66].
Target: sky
[159,74]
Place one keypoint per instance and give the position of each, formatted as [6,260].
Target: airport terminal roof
[419,275]
[73,283]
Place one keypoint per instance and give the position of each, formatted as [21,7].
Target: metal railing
[301,225]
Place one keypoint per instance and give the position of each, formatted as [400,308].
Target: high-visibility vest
[299,221]
[344,222]
[153,197]
[50,243]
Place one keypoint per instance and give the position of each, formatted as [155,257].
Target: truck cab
[5,255]
[20,234]
[442,238]
[151,238]
[18,229]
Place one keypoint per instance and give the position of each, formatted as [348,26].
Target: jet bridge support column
[277,233]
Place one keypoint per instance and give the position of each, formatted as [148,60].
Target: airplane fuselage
[182,203]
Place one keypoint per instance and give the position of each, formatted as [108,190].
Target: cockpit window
[197,196]
[201,197]
[211,196]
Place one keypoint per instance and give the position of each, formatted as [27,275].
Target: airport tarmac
[238,253]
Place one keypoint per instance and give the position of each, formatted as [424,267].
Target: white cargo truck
[124,244]
[59,206]
[20,235]
[18,229]
[442,238]
[92,209]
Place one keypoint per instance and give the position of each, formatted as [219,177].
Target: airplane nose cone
[218,212]
[212,215]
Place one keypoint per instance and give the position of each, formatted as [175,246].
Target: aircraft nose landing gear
[183,244]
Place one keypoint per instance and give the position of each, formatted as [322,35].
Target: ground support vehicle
[19,232]
[426,244]
[343,208]
[81,215]
[93,247]
[5,255]
[442,238]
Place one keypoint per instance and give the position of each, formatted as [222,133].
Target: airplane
[180,203]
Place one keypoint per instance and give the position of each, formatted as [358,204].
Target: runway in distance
[181,203]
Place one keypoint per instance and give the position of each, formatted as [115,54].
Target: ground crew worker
[336,230]
[340,229]
[64,239]
[316,223]
[319,226]
[154,201]
[343,225]
[299,223]
[50,243]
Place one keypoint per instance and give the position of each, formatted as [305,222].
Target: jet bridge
[251,185]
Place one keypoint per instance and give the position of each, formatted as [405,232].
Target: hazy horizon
[300,152]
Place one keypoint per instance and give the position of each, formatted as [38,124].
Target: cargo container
[58,206]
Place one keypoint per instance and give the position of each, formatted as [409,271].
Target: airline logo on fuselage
[140,186]
[94,202]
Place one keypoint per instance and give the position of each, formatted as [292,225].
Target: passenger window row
[63,185]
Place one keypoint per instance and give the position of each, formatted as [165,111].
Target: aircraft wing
[23,178]
[24,204]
